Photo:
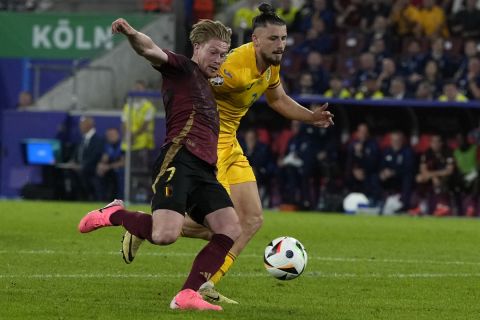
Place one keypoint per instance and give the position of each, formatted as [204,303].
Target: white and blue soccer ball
[354,201]
[285,258]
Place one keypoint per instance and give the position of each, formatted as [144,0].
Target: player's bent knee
[252,224]
[164,238]
[236,231]
[231,230]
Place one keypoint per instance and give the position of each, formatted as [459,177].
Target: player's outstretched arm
[279,101]
[140,42]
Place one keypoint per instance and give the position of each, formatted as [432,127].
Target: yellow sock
[229,260]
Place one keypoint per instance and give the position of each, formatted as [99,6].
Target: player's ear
[196,47]
[255,39]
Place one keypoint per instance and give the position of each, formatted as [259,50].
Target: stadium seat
[423,143]
[263,135]
[384,141]
[280,142]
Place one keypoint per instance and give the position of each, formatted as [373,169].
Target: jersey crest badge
[268,74]
[216,81]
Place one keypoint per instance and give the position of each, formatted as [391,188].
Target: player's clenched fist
[121,26]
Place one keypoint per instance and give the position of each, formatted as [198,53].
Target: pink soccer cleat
[99,218]
[189,299]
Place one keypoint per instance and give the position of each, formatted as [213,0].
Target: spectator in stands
[363,155]
[397,168]
[473,79]
[142,126]
[431,20]
[412,62]
[403,17]
[433,77]
[387,73]
[469,52]
[299,168]
[367,66]
[310,11]
[465,156]
[466,22]
[305,84]
[290,167]
[317,39]
[311,154]
[435,180]
[398,89]
[369,89]
[378,49]
[314,66]
[337,90]
[242,20]
[437,54]
[287,11]
[83,165]
[320,183]
[142,114]
[373,11]
[424,91]
[451,93]
[352,17]
[110,169]
[380,30]
[260,158]
[25,101]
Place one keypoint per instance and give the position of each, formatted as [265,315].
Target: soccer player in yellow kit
[248,72]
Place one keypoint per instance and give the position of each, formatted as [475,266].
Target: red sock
[137,223]
[208,261]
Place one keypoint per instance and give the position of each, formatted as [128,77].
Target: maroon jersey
[190,107]
[437,161]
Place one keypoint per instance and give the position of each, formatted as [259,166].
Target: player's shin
[208,261]
[227,264]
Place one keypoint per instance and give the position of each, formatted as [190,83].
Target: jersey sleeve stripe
[273,86]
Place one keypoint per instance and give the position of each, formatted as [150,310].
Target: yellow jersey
[238,86]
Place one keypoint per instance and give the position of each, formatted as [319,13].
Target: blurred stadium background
[402,78]
[403,81]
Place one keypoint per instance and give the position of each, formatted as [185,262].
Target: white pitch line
[314,274]
[249,256]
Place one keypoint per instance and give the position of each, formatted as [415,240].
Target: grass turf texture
[359,268]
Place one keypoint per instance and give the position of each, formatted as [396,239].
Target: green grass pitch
[359,268]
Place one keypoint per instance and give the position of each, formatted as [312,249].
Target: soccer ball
[353,201]
[285,258]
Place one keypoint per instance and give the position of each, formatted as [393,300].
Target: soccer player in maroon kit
[184,173]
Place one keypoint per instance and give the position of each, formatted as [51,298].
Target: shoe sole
[128,259]
[217,299]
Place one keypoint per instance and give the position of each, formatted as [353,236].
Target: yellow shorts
[232,165]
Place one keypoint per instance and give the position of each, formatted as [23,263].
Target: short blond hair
[206,29]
